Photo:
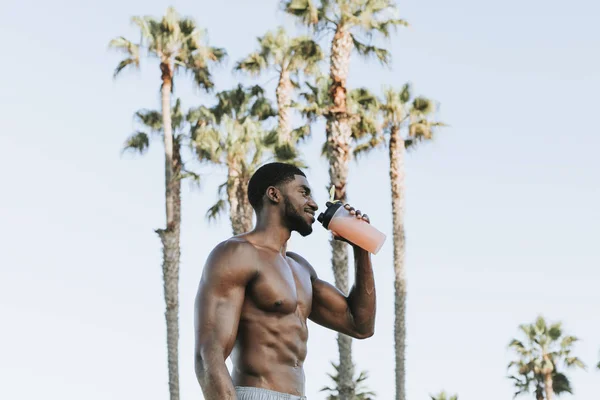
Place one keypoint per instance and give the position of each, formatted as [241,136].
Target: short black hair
[271,174]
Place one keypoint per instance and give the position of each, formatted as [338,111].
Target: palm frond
[423,105]
[517,344]
[574,362]
[201,116]
[254,64]
[124,63]
[301,133]
[177,117]
[145,27]
[263,108]
[305,10]
[150,118]
[271,139]
[207,144]
[193,177]
[198,63]
[540,324]
[203,78]
[561,384]
[285,153]
[367,146]
[364,109]
[124,45]
[306,54]
[138,142]
[368,51]
[405,93]
[567,341]
[361,392]
[216,210]
[388,26]
[443,396]
[131,49]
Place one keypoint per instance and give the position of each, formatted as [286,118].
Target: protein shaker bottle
[339,220]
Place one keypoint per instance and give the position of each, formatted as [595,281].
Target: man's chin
[305,231]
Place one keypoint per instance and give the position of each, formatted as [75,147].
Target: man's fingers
[350,208]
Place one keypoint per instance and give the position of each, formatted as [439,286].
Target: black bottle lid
[325,217]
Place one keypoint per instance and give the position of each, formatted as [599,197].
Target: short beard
[295,221]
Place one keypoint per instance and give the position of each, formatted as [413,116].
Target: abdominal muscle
[270,350]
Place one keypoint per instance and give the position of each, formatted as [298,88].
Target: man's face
[300,208]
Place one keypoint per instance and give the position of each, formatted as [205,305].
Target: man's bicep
[330,307]
[219,300]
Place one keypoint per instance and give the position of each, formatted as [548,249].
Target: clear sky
[502,210]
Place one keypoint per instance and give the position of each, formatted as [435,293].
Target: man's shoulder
[234,247]
[232,255]
[302,261]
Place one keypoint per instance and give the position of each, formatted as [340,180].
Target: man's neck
[272,234]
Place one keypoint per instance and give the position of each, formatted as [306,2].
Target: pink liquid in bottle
[339,220]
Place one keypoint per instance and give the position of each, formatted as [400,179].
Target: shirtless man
[255,297]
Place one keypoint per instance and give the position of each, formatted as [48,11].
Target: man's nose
[313,204]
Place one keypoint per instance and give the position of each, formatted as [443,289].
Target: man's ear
[274,195]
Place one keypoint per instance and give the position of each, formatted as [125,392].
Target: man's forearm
[214,378]
[361,299]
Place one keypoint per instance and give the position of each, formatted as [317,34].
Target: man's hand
[358,215]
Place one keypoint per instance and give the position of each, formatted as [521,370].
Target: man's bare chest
[282,286]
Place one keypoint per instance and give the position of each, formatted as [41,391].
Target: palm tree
[398,121]
[540,356]
[349,20]
[317,104]
[362,392]
[287,57]
[444,396]
[405,122]
[232,134]
[178,44]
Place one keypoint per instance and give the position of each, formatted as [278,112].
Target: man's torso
[270,346]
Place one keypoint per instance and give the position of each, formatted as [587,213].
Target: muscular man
[255,297]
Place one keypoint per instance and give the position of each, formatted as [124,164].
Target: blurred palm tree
[288,57]
[545,349]
[234,134]
[399,121]
[179,45]
[360,388]
[354,23]
[151,125]
[444,396]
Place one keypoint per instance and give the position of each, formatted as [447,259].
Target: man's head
[283,188]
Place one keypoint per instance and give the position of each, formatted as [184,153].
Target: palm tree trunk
[245,208]
[284,100]
[548,386]
[397,150]
[341,48]
[170,236]
[233,183]
[339,153]
[539,394]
